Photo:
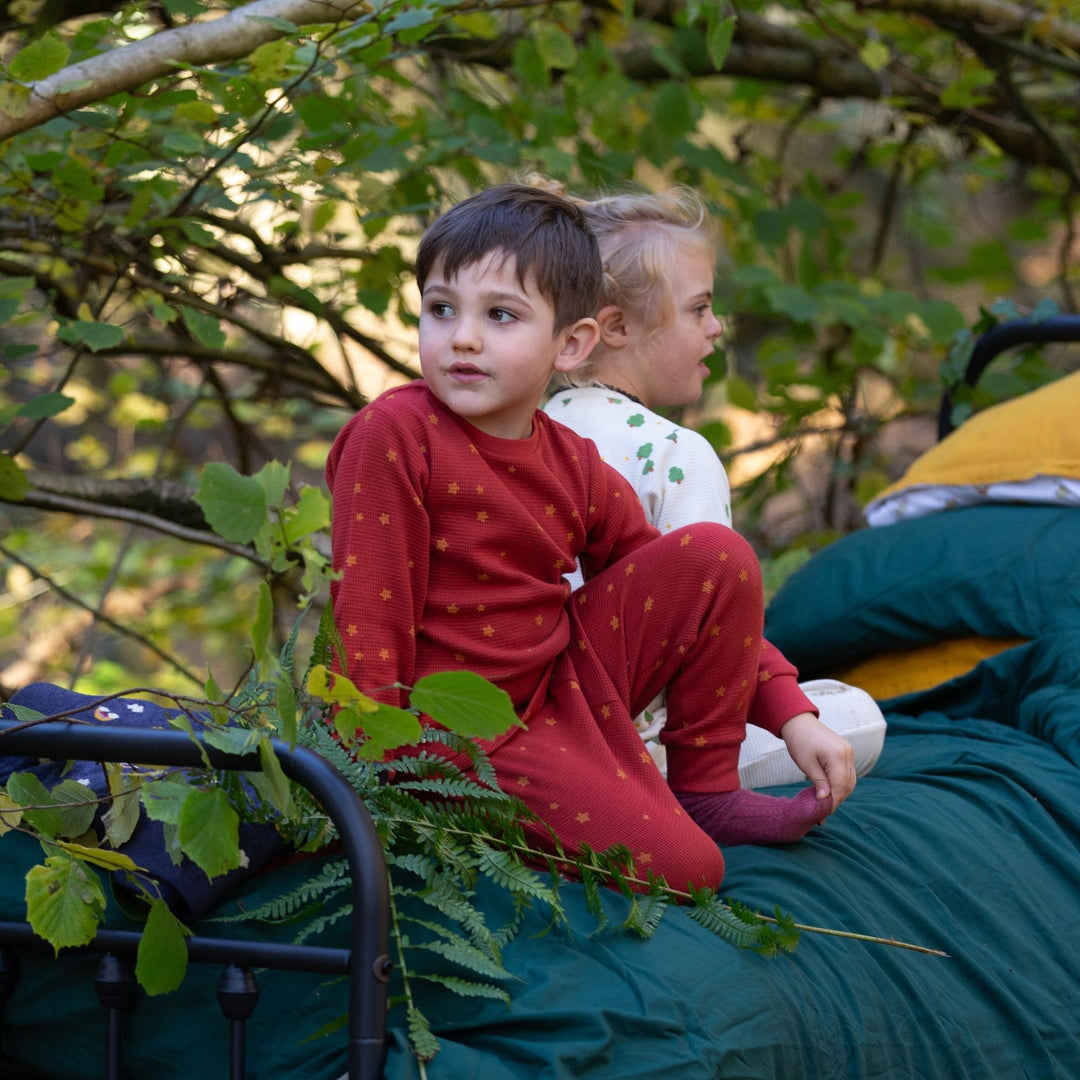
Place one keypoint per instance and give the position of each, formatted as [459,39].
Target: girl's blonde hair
[642,235]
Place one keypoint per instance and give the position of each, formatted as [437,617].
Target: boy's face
[488,344]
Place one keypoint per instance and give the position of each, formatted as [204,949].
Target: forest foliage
[208,213]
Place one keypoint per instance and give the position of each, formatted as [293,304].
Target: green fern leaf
[423,1041]
[646,911]
[717,917]
[464,987]
[463,954]
[505,869]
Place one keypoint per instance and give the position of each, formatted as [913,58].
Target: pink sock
[751,817]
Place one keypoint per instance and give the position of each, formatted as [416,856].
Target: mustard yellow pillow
[906,671]
[1024,450]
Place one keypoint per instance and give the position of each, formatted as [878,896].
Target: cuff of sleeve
[777,700]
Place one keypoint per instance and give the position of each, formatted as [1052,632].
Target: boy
[458,507]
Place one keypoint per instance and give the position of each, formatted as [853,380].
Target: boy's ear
[580,340]
[614,332]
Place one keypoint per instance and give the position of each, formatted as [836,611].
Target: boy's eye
[501,315]
[440,309]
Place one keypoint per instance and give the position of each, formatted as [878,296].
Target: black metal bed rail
[999,339]
[365,962]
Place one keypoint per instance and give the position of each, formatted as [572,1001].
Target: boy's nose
[465,337]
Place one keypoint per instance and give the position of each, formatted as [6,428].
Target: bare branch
[198,43]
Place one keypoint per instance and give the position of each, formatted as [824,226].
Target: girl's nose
[715,328]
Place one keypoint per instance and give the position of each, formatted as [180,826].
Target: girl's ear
[580,340]
[614,332]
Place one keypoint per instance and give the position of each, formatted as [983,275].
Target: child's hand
[827,758]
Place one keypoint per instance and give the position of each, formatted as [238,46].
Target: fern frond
[448,900]
[287,655]
[506,869]
[721,920]
[479,762]
[327,643]
[451,788]
[424,1043]
[423,866]
[646,912]
[509,929]
[464,987]
[331,881]
[323,922]
[464,955]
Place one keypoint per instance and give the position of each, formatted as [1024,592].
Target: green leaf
[673,109]
[13,482]
[43,406]
[14,100]
[202,112]
[234,505]
[410,19]
[337,689]
[210,831]
[276,785]
[214,694]
[311,513]
[554,45]
[122,817]
[39,59]
[205,328]
[94,336]
[67,810]
[10,814]
[283,25]
[466,703]
[106,858]
[385,728]
[264,617]
[793,302]
[64,902]
[285,700]
[718,37]
[164,799]
[273,478]
[161,961]
[875,55]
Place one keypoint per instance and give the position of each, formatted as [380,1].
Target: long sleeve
[381,540]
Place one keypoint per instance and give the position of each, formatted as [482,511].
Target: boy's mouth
[468,372]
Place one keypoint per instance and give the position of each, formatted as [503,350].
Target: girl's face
[669,367]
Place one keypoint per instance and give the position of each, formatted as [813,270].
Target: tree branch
[998,15]
[233,35]
[98,505]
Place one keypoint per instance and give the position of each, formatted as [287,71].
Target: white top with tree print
[674,470]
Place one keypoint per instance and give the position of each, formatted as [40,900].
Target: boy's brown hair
[546,234]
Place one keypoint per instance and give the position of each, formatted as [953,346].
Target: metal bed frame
[1007,335]
[364,963]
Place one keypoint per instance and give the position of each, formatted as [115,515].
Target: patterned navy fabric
[187,889]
